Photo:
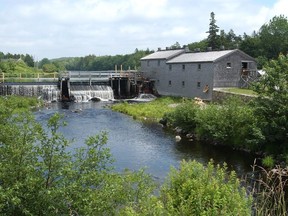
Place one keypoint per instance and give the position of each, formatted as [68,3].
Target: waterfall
[83,93]
[47,92]
[80,93]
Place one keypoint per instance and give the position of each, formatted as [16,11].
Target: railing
[99,75]
[28,77]
[72,75]
[247,77]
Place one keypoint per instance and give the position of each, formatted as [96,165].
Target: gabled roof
[211,56]
[163,54]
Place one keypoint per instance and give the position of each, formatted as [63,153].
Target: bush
[183,116]
[197,190]
[232,123]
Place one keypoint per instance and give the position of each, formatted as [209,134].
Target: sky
[75,28]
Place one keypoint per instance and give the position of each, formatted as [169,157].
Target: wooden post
[128,91]
[119,87]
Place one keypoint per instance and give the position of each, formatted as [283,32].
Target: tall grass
[153,110]
[269,191]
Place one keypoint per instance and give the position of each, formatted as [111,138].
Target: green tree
[202,45]
[274,37]
[28,59]
[176,45]
[49,67]
[43,62]
[271,105]
[213,38]
[251,45]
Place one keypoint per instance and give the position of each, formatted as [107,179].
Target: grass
[153,110]
[240,91]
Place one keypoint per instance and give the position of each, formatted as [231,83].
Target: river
[134,144]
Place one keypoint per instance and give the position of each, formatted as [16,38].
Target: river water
[135,145]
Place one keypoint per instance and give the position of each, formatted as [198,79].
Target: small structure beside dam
[76,85]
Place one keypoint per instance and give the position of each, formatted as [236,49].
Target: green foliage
[153,110]
[49,68]
[268,161]
[15,67]
[196,190]
[202,45]
[271,105]
[213,38]
[274,37]
[252,46]
[183,116]
[39,176]
[13,103]
[232,123]
[92,62]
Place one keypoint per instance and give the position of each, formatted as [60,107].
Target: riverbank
[232,123]
[151,111]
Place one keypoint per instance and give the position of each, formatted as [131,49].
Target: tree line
[263,45]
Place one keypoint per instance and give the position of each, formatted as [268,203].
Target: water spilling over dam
[78,93]
[78,86]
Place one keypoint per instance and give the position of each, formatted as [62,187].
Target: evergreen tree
[213,38]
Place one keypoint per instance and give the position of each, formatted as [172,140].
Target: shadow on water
[135,145]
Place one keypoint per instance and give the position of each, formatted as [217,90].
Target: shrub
[198,190]
[183,116]
[232,123]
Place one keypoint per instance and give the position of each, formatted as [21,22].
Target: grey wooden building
[195,74]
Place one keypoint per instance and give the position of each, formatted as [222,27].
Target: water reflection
[135,145]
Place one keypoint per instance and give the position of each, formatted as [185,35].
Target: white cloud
[58,28]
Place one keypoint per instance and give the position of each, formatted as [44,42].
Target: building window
[199,66]
[170,83]
[158,81]
[183,84]
[148,63]
[170,67]
[183,67]
[158,62]
[198,84]
[228,65]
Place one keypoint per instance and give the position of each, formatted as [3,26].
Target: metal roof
[163,54]
[210,56]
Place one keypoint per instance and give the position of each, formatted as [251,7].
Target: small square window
[148,63]
[170,67]
[198,84]
[199,66]
[183,67]
[170,83]
[228,64]
[183,83]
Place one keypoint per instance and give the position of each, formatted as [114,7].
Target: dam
[77,86]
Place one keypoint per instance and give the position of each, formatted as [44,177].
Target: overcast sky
[64,28]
